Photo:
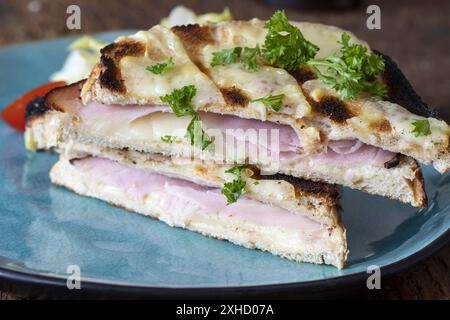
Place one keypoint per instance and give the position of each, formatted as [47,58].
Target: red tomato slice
[14,114]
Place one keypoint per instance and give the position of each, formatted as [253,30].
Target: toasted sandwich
[290,217]
[366,142]
[239,130]
[292,230]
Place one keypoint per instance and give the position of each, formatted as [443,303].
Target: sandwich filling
[199,203]
[146,124]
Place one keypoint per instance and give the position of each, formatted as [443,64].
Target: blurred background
[415,33]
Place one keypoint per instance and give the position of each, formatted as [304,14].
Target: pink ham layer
[181,196]
[342,152]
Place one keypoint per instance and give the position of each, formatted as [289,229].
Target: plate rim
[56,286]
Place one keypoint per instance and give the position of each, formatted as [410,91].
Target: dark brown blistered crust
[35,108]
[234,97]
[329,191]
[400,90]
[110,76]
[194,38]
[332,108]
[419,187]
[303,74]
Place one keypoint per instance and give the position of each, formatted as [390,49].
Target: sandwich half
[366,143]
[292,230]
[286,216]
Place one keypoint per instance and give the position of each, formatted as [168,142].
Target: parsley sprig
[421,128]
[246,56]
[353,71]
[273,102]
[285,46]
[235,188]
[180,100]
[226,57]
[161,68]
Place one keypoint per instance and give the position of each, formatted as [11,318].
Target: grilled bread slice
[179,203]
[310,107]
[61,118]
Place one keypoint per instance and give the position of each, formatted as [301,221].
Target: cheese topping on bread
[309,106]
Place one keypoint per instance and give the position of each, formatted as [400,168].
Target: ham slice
[108,117]
[352,152]
[184,197]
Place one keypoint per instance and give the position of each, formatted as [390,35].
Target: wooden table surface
[415,33]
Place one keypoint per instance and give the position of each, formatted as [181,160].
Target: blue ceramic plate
[44,228]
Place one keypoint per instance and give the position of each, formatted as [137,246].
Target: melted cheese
[325,37]
[161,44]
[266,81]
[372,110]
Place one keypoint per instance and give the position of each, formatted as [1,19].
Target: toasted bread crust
[194,37]
[419,187]
[303,74]
[110,75]
[332,108]
[328,192]
[234,97]
[35,109]
[400,90]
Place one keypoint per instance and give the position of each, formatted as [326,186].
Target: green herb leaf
[236,170]
[285,46]
[161,68]
[421,128]
[226,57]
[197,136]
[246,56]
[236,188]
[180,100]
[168,139]
[352,71]
[249,58]
[273,102]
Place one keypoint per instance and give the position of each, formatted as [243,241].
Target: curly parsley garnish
[180,100]
[273,102]
[285,46]
[352,71]
[161,68]
[226,56]
[235,188]
[249,58]
[246,56]
[421,128]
